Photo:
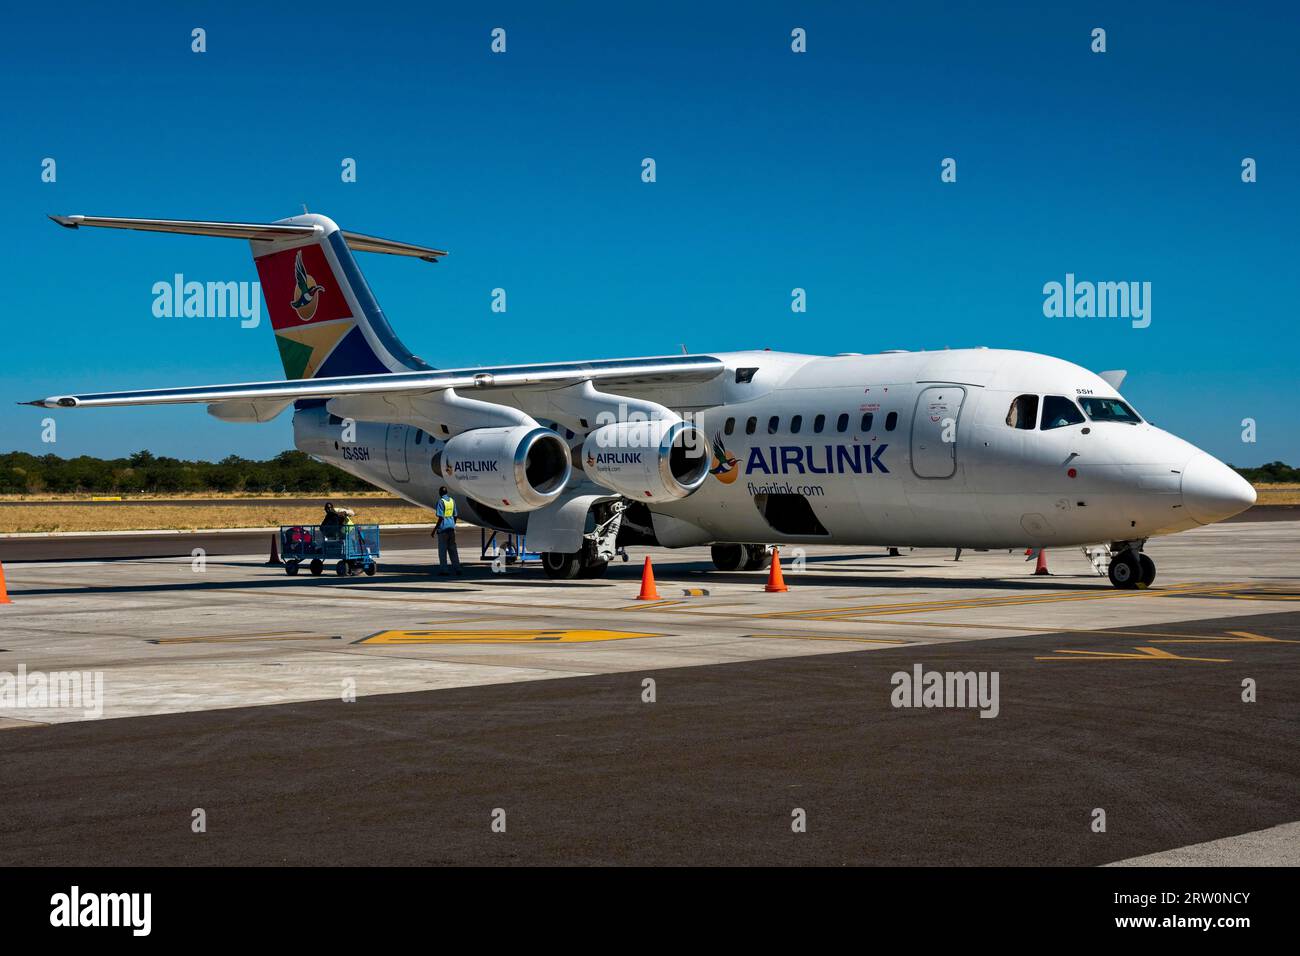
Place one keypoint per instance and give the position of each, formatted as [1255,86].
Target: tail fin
[326,320]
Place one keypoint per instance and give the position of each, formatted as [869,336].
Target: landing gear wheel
[729,557]
[341,569]
[1148,571]
[757,558]
[594,569]
[291,568]
[317,566]
[560,565]
[1126,571]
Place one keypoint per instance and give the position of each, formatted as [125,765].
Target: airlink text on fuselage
[812,460]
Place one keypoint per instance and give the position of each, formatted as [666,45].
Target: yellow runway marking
[647,605]
[1146,654]
[964,604]
[1237,637]
[485,636]
[1029,629]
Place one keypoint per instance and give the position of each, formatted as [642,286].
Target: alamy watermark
[1098,300]
[922,688]
[57,690]
[208,300]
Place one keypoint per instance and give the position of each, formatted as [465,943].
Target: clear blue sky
[775,170]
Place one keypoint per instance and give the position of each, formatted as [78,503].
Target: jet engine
[519,468]
[654,460]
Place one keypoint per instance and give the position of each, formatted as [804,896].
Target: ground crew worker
[445,532]
[334,519]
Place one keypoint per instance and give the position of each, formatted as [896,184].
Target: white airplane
[964,448]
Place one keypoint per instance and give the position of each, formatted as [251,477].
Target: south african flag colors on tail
[326,320]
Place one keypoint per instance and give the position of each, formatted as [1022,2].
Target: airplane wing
[273,397]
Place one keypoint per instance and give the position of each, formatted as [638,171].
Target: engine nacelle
[517,468]
[657,460]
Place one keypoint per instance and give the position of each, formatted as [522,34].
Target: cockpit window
[1023,412]
[1109,410]
[1059,411]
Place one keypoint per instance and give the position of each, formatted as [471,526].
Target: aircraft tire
[729,557]
[1148,571]
[561,565]
[594,569]
[1125,571]
[757,558]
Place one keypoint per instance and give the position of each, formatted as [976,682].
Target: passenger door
[395,453]
[934,431]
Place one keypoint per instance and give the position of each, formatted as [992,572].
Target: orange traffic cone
[648,592]
[1041,567]
[4,593]
[775,580]
[275,550]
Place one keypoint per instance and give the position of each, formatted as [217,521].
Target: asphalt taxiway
[388,719]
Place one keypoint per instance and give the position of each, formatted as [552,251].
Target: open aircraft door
[934,431]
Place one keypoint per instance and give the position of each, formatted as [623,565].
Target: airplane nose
[1212,491]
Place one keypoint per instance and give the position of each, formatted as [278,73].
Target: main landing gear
[599,546]
[564,566]
[741,557]
[1130,568]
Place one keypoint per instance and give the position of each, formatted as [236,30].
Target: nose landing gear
[1130,568]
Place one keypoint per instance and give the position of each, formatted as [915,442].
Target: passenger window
[796,423]
[819,423]
[891,421]
[730,426]
[1059,411]
[773,425]
[751,425]
[1023,412]
[842,423]
[418,435]
[867,419]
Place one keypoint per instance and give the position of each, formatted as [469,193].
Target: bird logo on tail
[305,290]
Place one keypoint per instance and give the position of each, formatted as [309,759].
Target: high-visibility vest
[446,507]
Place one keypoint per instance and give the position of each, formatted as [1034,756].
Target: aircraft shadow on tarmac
[393,577]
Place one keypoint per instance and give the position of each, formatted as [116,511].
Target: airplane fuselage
[909,449]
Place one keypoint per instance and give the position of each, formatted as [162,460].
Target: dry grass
[192,495]
[1281,493]
[46,516]
[237,514]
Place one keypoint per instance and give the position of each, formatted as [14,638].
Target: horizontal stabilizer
[260,232]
